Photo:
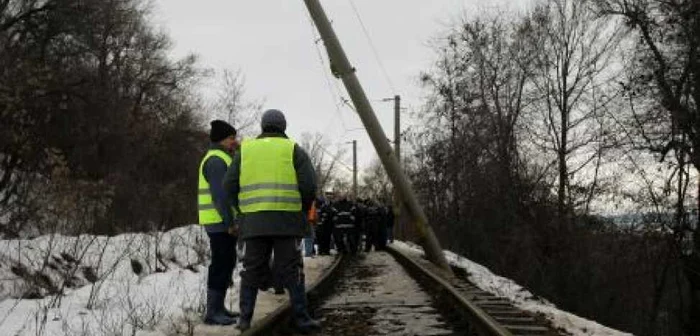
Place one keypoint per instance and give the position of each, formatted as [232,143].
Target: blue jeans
[309,245]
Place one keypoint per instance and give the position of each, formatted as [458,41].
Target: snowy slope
[506,288]
[132,284]
[129,283]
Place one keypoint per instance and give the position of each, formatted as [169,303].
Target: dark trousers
[370,236]
[381,236]
[223,260]
[346,240]
[323,237]
[288,263]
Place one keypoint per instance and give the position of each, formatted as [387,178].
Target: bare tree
[499,64]
[91,82]
[233,105]
[666,77]
[573,65]
[375,183]
[526,105]
[324,159]
[470,146]
[18,28]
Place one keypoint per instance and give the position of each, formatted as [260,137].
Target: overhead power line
[371,44]
[337,98]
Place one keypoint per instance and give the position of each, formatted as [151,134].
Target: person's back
[345,226]
[271,182]
[345,214]
[383,219]
[372,219]
[390,219]
[324,227]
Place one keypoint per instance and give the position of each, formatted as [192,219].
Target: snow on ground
[154,284]
[111,285]
[132,284]
[503,287]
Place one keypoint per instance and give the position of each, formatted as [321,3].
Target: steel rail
[432,278]
[479,320]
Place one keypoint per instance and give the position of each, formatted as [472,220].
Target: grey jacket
[274,223]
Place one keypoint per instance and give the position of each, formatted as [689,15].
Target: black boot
[226,311]
[231,314]
[303,322]
[215,315]
[247,299]
[277,284]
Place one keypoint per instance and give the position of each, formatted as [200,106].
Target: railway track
[392,293]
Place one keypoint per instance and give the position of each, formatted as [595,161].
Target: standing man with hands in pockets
[217,216]
[272,183]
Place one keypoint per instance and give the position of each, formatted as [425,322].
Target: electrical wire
[337,97]
[337,160]
[371,44]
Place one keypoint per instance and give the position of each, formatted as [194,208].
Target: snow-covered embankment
[483,278]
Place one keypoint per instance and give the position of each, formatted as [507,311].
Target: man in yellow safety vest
[216,215]
[272,183]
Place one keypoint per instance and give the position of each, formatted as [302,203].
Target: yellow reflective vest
[268,180]
[208,215]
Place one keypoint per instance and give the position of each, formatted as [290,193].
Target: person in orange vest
[309,239]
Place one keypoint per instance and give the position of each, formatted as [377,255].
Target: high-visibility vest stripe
[269,199]
[345,226]
[260,186]
[203,207]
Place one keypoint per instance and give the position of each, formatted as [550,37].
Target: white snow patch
[165,298]
[483,278]
[171,283]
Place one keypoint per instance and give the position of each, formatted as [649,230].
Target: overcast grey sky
[272,42]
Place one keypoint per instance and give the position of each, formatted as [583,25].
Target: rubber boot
[303,322]
[247,299]
[226,311]
[215,315]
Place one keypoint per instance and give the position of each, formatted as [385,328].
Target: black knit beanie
[220,130]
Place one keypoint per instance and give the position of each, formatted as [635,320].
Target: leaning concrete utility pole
[340,66]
